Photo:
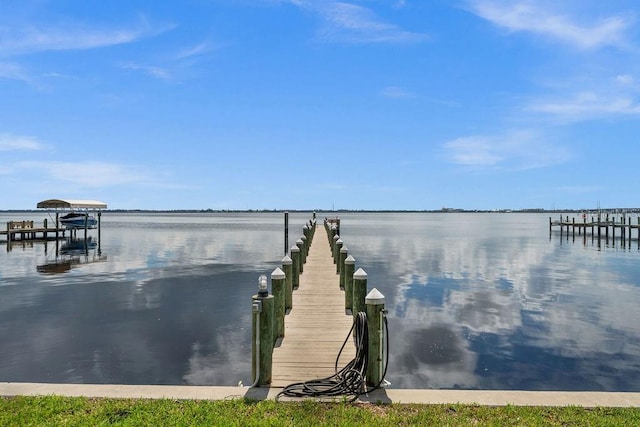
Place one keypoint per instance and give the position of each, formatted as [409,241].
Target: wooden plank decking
[317,325]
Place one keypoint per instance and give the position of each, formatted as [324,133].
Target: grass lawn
[55,410]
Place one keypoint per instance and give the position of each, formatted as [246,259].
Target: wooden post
[359,291]
[295,274]
[300,245]
[332,235]
[287,267]
[86,220]
[561,228]
[573,227]
[613,230]
[306,237]
[99,232]
[349,266]
[375,316]
[339,245]
[335,251]
[279,302]
[305,248]
[8,233]
[262,335]
[344,251]
[286,232]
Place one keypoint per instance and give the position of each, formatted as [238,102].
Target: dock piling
[375,318]
[262,334]
[301,259]
[349,267]
[305,248]
[287,267]
[344,252]
[359,292]
[279,302]
[295,273]
[339,245]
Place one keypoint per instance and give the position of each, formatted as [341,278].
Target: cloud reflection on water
[509,308]
[482,301]
[170,306]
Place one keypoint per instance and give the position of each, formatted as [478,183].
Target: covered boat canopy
[71,204]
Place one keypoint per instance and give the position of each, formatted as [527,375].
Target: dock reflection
[70,253]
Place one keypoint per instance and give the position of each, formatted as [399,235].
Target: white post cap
[295,248]
[350,260]
[277,274]
[287,260]
[374,297]
[360,274]
[344,249]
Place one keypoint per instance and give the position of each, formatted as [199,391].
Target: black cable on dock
[348,381]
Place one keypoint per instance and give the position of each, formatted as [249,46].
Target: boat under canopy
[78,217]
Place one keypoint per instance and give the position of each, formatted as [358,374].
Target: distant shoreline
[339,211]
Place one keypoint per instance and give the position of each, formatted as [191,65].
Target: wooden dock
[598,225]
[25,230]
[317,325]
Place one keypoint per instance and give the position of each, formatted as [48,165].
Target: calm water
[476,301]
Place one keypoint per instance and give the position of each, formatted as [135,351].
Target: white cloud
[199,49]
[90,174]
[19,143]
[541,18]
[625,79]
[396,92]
[518,150]
[31,39]
[587,105]
[398,4]
[13,71]
[153,71]
[474,151]
[350,23]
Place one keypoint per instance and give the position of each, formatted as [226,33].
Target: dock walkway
[317,324]
[597,225]
[25,230]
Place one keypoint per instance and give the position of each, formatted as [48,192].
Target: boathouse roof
[71,204]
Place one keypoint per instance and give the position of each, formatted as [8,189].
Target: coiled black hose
[349,381]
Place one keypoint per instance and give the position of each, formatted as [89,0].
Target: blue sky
[309,104]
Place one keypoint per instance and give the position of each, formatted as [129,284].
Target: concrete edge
[471,397]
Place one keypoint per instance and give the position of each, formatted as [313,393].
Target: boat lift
[74,205]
